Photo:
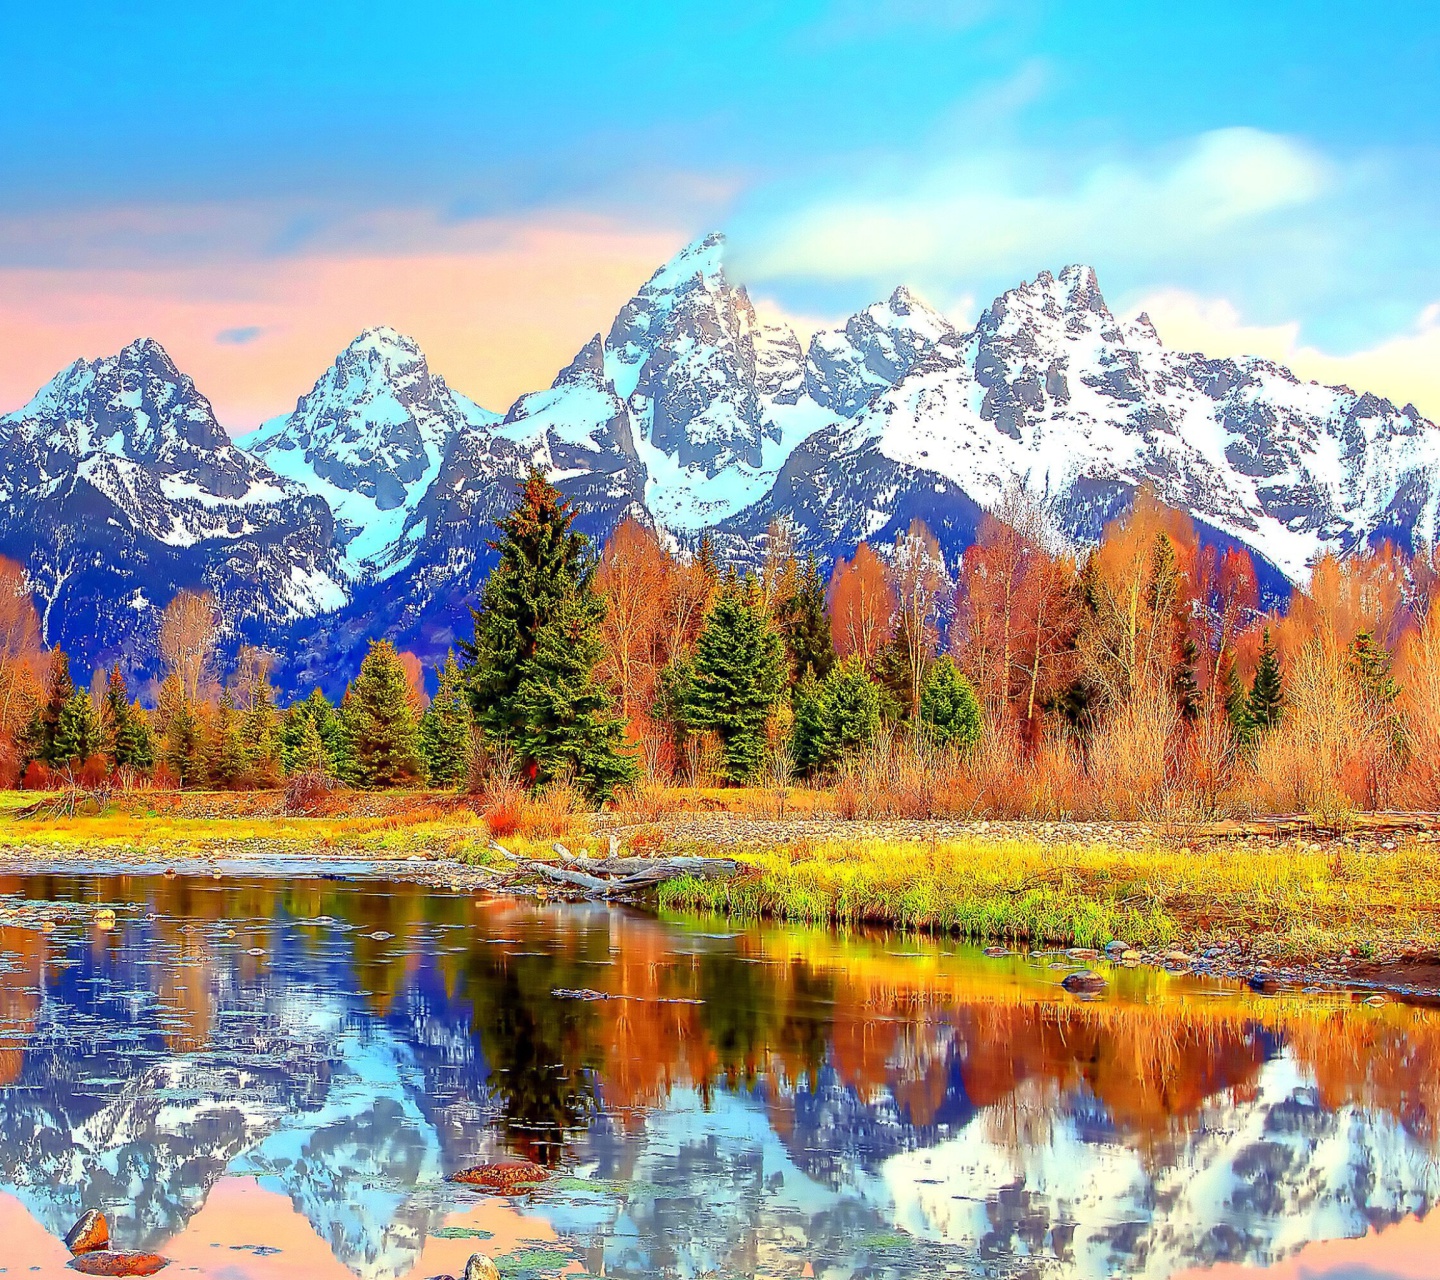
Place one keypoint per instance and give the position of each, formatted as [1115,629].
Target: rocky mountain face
[367,510]
[369,439]
[1052,393]
[118,488]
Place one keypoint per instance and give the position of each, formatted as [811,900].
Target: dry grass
[1281,901]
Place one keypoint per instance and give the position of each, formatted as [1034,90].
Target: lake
[264,1078]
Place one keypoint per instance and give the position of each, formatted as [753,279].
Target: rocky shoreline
[1415,979]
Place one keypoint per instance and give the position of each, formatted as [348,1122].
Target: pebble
[1130,956]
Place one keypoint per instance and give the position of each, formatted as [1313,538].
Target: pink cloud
[497,308]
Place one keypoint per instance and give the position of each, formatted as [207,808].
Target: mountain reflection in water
[265,1078]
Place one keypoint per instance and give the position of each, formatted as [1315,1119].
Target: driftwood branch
[610,876]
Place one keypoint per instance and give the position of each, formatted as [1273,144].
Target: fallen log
[607,877]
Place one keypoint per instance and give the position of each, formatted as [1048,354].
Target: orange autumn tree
[636,578]
[862,605]
[1017,609]
[21,663]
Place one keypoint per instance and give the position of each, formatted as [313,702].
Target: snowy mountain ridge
[368,439]
[365,511]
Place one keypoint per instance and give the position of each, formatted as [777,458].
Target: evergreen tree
[1370,668]
[1267,692]
[445,728]
[530,672]
[1237,705]
[260,735]
[706,560]
[805,625]
[59,689]
[381,721]
[1183,679]
[307,753]
[77,731]
[738,675]
[317,712]
[183,750]
[807,735]
[892,673]
[851,705]
[132,747]
[124,727]
[949,709]
[227,762]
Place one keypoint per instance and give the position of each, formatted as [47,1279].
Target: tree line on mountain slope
[1137,678]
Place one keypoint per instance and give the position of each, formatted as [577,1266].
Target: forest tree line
[1138,677]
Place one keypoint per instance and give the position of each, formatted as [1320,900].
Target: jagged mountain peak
[702,259]
[588,365]
[369,438]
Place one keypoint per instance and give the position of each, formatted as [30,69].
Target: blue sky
[1269,171]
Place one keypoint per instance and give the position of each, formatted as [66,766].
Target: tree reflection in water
[752,1098]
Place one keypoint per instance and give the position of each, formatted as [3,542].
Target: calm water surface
[266,1079]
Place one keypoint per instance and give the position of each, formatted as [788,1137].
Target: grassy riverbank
[1288,901]
[1357,896]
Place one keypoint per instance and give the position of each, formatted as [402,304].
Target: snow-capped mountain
[1052,393]
[118,488]
[367,511]
[368,439]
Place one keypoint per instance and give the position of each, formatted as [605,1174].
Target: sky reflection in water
[264,1079]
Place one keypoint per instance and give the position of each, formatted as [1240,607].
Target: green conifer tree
[445,728]
[738,675]
[77,731]
[530,670]
[133,747]
[59,689]
[317,711]
[1370,667]
[851,703]
[381,722]
[949,709]
[1184,681]
[308,754]
[807,733]
[1237,705]
[183,745]
[226,759]
[260,735]
[1267,691]
[805,625]
[892,674]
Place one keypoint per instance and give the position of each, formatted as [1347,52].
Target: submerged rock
[107,1262]
[1084,980]
[91,1232]
[502,1175]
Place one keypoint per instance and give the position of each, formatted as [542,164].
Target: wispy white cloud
[964,215]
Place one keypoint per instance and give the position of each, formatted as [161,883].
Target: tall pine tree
[381,721]
[59,689]
[77,731]
[1267,691]
[805,624]
[445,728]
[530,671]
[737,676]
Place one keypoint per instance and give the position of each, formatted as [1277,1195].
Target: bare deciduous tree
[189,632]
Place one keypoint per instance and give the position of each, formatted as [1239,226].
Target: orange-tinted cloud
[497,313]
